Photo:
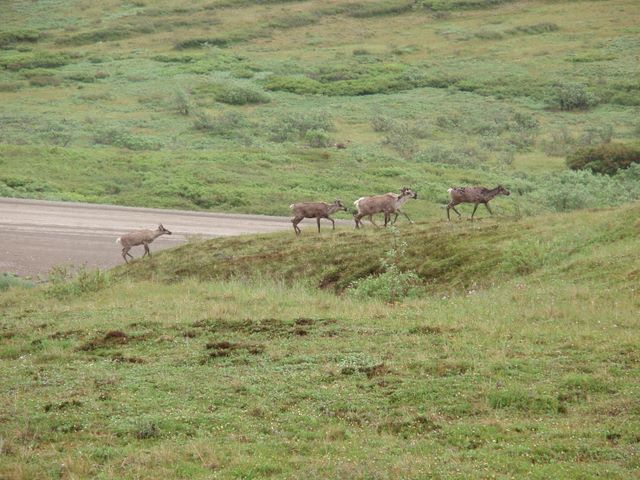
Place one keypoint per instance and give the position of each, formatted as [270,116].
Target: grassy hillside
[516,357]
[509,346]
[235,106]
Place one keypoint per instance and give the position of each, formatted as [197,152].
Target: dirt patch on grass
[431,330]
[270,327]
[62,405]
[109,339]
[121,358]
[67,334]
[405,427]
[226,349]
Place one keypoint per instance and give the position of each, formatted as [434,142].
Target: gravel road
[38,235]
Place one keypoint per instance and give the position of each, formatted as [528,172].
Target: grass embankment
[531,372]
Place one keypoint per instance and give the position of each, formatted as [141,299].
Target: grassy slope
[445,255]
[532,371]
[223,359]
[104,125]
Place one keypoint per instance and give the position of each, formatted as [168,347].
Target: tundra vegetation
[500,348]
[513,353]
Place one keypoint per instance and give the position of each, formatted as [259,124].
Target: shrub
[10,280]
[10,87]
[63,284]
[366,10]
[183,103]
[296,125]
[561,143]
[573,96]
[317,138]
[607,158]
[594,135]
[393,284]
[467,156]
[401,140]
[118,138]
[107,35]
[236,94]
[44,81]
[203,43]
[382,123]
[37,60]
[224,123]
[9,38]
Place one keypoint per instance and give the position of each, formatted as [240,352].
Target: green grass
[175,83]
[514,354]
[166,368]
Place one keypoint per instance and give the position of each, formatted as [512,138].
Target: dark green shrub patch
[606,158]
[17,36]
[573,96]
[107,35]
[34,60]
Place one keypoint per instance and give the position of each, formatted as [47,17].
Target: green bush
[573,96]
[44,81]
[317,138]
[107,35]
[607,158]
[224,123]
[10,280]
[393,284]
[34,60]
[464,156]
[62,284]
[183,103]
[123,139]
[296,125]
[233,93]
[9,38]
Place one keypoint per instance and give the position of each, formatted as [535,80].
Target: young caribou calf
[315,210]
[140,237]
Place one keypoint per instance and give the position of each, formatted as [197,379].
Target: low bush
[317,138]
[63,284]
[607,158]
[234,94]
[17,36]
[393,284]
[10,280]
[573,96]
[224,123]
[466,156]
[44,81]
[107,35]
[296,125]
[183,103]
[379,9]
[35,60]
[123,139]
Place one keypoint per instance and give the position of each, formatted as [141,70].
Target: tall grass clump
[63,284]
[393,284]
